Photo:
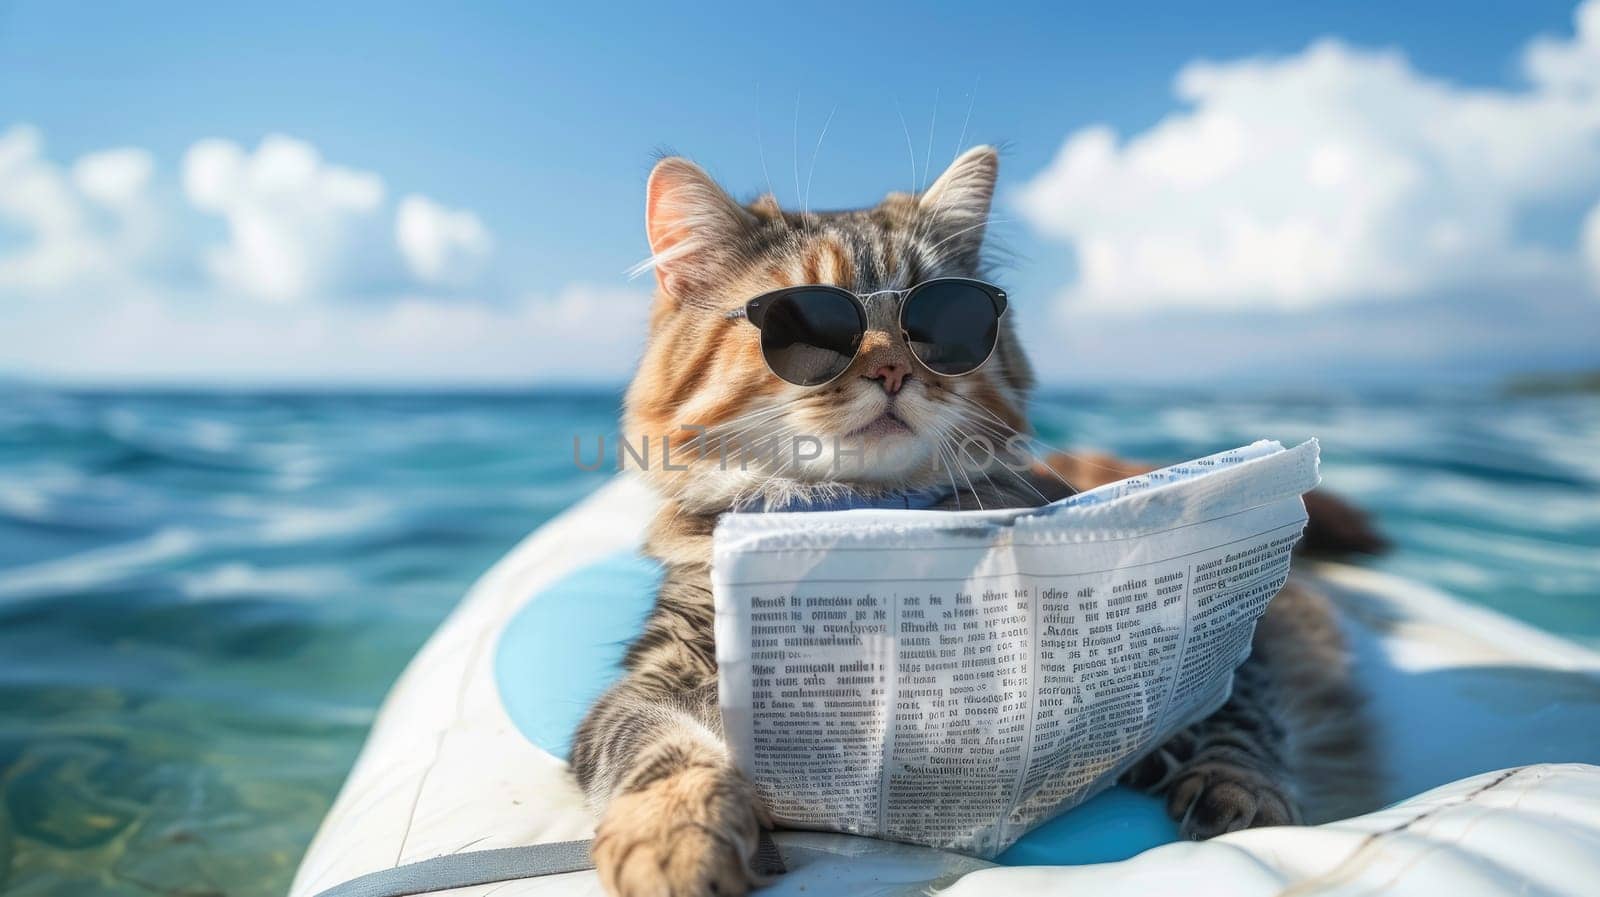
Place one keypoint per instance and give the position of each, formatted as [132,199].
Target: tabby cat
[675,817]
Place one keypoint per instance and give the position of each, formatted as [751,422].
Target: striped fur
[675,817]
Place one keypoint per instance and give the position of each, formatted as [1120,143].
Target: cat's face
[886,422]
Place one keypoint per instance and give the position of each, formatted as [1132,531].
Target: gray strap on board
[482,867]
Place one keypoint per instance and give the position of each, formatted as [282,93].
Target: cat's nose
[889,376]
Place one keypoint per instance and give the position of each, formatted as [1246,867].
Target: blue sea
[204,596]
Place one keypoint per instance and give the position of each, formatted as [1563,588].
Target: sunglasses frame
[755,312]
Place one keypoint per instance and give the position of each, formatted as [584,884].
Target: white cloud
[585,332]
[1333,175]
[441,246]
[116,178]
[131,296]
[1568,65]
[297,226]
[1591,245]
[91,224]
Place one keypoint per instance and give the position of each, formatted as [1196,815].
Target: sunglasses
[810,334]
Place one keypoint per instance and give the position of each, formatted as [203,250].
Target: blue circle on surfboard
[565,647]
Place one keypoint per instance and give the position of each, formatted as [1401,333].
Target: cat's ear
[691,222]
[958,202]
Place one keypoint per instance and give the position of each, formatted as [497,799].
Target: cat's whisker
[1030,437]
[1003,431]
[761,147]
[955,490]
[946,451]
[945,426]
[796,149]
[992,420]
[762,446]
[987,220]
[927,163]
[930,219]
[972,100]
[927,221]
[716,441]
[983,470]
[760,415]
[779,475]
[1008,469]
[806,206]
[763,439]
[910,150]
[956,461]
[739,426]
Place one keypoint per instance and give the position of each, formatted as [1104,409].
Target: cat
[675,818]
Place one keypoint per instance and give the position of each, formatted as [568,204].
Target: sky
[328,194]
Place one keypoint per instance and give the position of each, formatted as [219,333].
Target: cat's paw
[691,834]
[1210,799]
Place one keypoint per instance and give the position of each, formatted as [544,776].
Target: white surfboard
[1485,727]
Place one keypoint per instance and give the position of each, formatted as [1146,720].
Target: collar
[845,499]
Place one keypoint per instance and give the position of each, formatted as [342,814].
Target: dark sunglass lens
[952,327]
[809,337]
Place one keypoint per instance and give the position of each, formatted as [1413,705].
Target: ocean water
[203,597]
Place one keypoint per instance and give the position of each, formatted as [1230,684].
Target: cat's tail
[1334,527]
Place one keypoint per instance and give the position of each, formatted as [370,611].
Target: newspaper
[956,678]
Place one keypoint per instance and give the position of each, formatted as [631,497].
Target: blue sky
[1371,191]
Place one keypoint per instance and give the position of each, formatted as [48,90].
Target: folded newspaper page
[956,678]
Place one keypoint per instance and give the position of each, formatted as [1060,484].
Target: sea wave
[204,596]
